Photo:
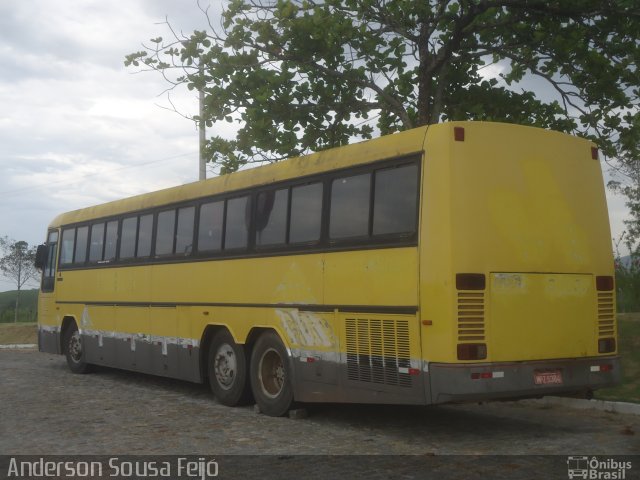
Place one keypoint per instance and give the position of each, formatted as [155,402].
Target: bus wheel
[271,375]
[227,370]
[74,351]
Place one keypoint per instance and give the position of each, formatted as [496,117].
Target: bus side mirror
[42,254]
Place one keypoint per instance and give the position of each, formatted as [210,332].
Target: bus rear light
[409,371]
[606,345]
[486,375]
[594,153]
[458,134]
[470,281]
[472,351]
[604,283]
[602,368]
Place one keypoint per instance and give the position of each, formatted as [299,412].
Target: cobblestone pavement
[44,409]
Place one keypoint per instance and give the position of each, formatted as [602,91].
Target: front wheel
[74,351]
[271,375]
[227,370]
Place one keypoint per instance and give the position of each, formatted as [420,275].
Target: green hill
[28,306]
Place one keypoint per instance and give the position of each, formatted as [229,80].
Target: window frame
[252,249]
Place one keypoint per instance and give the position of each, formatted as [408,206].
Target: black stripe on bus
[382,309]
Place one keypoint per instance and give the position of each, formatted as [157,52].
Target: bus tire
[74,351]
[271,376]
[227,369]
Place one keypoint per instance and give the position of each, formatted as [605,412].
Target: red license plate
[547,378]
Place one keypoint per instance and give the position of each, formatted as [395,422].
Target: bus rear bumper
[450,383]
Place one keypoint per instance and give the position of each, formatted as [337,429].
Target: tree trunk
[15,316]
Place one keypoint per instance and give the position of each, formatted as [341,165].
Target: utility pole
[201,128]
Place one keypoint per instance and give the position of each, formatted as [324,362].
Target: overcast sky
[76,127]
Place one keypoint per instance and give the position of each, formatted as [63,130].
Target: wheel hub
[225,366]
[272,373]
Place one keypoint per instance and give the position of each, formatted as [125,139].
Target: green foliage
[629,349]
[27,311]
[628,284]
[300,75]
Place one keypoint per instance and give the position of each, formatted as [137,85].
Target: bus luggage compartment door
[536,316]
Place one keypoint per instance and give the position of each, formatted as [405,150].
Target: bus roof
[389,146]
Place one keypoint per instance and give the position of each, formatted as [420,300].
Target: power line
[89,175]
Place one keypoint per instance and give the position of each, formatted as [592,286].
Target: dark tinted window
[165,233]
[396,199]
[306,213]
[97,242]
[111,240]
[145,232]
[81,245]
[271,217]
[128,241]
[66,249]
[350,198]
[52,242]
[184,234]
[237,223]
[210,226]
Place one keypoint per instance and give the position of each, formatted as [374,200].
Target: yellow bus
[463,261]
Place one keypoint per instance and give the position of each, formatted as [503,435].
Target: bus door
[47,287]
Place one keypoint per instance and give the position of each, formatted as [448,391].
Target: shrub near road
[629,348]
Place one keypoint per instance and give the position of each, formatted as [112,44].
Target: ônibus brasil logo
[594,468]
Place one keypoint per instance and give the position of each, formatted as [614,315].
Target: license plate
[547,378]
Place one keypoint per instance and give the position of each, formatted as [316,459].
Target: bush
[628,283]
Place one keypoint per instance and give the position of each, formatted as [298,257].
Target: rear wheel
[228,370]
[271,375]
[74,351]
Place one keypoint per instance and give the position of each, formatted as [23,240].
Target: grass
[629,349]
[28,306]
[11,333]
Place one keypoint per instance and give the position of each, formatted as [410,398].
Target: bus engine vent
[470,316]
[606,323]
[378,351]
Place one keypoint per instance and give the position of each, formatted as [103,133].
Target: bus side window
[306,213]
[184,232]
[396,200]
[80,255]
[350,198]
[111,240]
[271,217]
[128,241]
[145,233]
[165,235]
[210,226]
[67,247]
[237,225]
[96,242]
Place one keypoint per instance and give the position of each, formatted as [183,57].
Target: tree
[18,265]
[627,183]
[305,75]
